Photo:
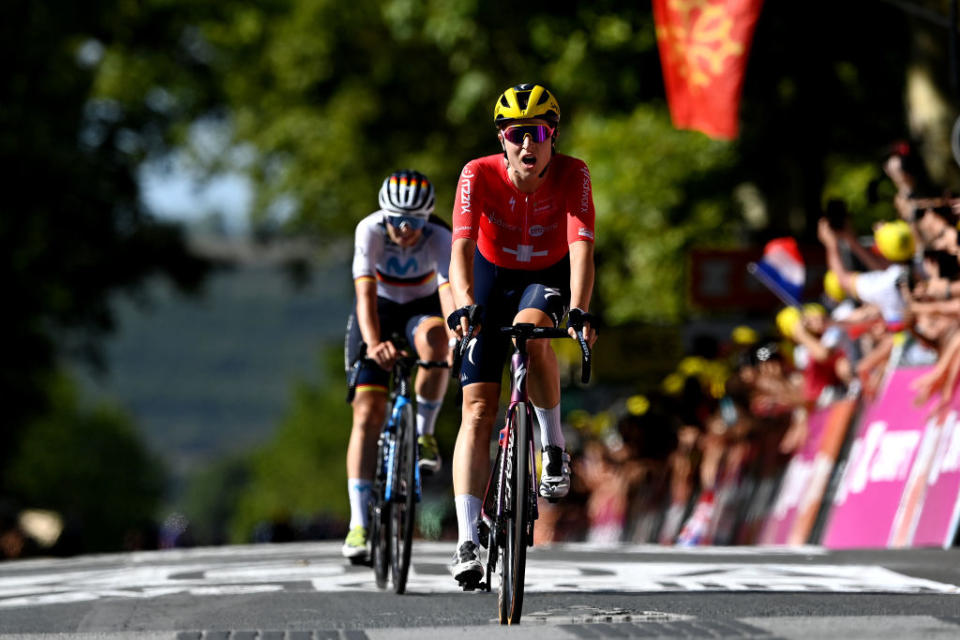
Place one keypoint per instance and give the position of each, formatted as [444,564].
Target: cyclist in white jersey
[400,262]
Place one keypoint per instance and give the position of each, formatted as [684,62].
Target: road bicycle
[396,484]
[510,500]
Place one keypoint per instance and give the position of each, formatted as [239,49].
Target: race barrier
[872,473]
[883,473]
[900,469]
[804,483]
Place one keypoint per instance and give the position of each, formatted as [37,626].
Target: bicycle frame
[499,529]
[395,496]
[518,395]
[400,400]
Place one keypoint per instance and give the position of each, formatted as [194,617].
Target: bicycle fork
[391,451]
[498,494]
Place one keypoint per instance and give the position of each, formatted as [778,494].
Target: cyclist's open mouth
[529,160]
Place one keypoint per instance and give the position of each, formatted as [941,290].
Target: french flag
[782,270]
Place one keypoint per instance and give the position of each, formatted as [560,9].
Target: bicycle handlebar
[532,332]
[402,360]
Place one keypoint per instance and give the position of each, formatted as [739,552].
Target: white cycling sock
[359,492]
[468,512]
[551,433]
[427,411]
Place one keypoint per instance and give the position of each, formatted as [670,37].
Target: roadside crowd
[698,461]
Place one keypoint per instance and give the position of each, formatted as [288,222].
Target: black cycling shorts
[503,293]
[395,319]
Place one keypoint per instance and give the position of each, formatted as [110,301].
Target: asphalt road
[573,591]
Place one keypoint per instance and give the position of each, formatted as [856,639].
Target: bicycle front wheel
[380,522]
[514,557]
[404,497]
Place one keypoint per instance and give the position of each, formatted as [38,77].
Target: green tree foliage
[211,498]
[72,231]
[651,188]
[88,464]
[331,96]
[301,472]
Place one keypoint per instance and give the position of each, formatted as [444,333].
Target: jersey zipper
[526,219]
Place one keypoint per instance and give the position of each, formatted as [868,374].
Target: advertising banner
[881,461]
[940,512]
[808,472]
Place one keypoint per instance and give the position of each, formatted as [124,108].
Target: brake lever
[587,355]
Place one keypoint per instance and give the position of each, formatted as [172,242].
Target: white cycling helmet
[407,193]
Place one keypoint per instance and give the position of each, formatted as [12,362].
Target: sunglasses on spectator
[537,132]
[412,222]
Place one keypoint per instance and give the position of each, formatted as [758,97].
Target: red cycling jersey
[517,230]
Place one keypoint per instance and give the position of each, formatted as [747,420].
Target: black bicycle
[396,485]
[510,500]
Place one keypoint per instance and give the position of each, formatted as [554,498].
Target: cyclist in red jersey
[522,252]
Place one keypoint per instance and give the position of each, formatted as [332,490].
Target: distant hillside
[210,376]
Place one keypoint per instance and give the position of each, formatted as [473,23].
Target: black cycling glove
[472,313]
[577,317]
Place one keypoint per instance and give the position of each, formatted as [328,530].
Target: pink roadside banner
[901,474]
[776,529]
[805,480]
[940,511]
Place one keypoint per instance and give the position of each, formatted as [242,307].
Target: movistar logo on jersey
[394,266]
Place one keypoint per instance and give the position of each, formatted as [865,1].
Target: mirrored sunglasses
[412,222]
[537,132]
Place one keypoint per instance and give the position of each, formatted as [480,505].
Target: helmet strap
[542,173]
[553,152]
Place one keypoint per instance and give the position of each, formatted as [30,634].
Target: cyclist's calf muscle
[471,462]
[369,412]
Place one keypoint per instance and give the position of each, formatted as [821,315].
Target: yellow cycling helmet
[526,101]
[787,320]
[814,308]
[832,287]
[894,240]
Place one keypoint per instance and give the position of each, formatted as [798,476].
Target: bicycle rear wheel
[404,505]
[514,556]
[380,521]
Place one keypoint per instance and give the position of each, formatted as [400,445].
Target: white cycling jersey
[402,273]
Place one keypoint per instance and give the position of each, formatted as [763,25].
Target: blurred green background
[182,182]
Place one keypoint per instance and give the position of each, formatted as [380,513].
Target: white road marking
[319,567]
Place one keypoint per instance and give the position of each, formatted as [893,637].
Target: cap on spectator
[894,240]
[814,308]
[831,286]
[787,320]
[744,335]
[638,405]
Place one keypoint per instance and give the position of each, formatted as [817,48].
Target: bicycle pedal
[469,585]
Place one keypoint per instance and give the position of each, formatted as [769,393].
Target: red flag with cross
[703,51]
